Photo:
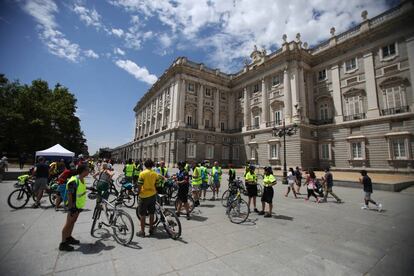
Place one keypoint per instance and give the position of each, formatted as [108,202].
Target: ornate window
[235,153]
[399,145]
[190,87]
[253,152]
[324,111]
[256,87]
[208,92]
[191,150]
[389,51]
[394,97]
[322,75]
[189,120]
[222,126]
[278,117]
[225,153]
[325,151]
[256,121]
[353,105]
[274,148]
[209,151]
[351,65]
[276,79]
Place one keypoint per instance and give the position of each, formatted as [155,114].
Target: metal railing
[352,117]
[191,126]
[210,128]
[252,127]
[321,121]
[231,130]
[164,127]
[395,110]
[274,123]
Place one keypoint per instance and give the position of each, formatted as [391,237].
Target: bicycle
[115,218]
[19,197]
[119,179]
[168,218]
[237,208]
[127,195]
[226,193]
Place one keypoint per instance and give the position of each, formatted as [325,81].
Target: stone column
[337,95]
[246,109]
[181,102]
[287,96]
[302,94]
[200,107]
[150,117]
[265,105]
[217,110]
[172,105]
[309,93]
[371,86]
[410,52]
[156,114]
[294,86]
[145,120]
[231,114]
[163,99]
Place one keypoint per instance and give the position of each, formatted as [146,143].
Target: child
[268,181]
[366,181]
[291,180]
[311,183]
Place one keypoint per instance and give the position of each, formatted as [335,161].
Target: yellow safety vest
[268,180]
[250,177]
[129,170]
[80,191]
[196,180]
[215,170]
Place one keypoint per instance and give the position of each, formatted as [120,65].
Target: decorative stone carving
[332,31]
[284,37]
[364,15]
[298,37]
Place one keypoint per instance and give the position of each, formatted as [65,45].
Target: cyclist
[196,183]
[268,182]
[137,171]
[204,179]
[251,186]
[183,188]
[104,178]
[163,172]
[41,173]
[187,167]
[246,168]
[232,173]
[216,174]
[147,194]
[76,191]
[129,171]
[61,180]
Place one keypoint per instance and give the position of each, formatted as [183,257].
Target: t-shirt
[311,183]
[366,180]
[182,176]
[329,179]
[64,176]
[42,170]
[232,174]
[147,180]
[291,177]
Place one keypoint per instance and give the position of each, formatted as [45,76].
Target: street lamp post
[282,132]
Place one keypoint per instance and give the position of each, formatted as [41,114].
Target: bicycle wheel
[238,211]
[119,179]
[147,222]
[259,190]
[95,218]
[123,227]
[191,206]
[224,198]
[18,199]
[171,224]
[129,200]
[174,191]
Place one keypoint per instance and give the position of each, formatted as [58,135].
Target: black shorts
[251,190]
[146,205]
[182,194]
[160,190]
[268,195]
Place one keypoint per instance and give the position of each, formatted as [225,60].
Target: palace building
[351,98]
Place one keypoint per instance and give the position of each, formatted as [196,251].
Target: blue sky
[109,52]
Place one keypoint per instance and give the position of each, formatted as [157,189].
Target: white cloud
[140,73]
[117,32]
[89,16]
[119,51]
[44,11]
[91,54]
[228,29]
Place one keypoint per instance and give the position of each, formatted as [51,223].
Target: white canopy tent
[56,150]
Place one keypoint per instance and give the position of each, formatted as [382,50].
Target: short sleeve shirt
[182,176]
[366,180]
[42,171]
[147,180]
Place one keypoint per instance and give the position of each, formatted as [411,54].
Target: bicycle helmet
[252,167]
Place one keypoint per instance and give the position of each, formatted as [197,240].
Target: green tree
[34,117]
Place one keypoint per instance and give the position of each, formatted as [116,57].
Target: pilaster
[336,94]
[287,96]
[370,86]
[200,107]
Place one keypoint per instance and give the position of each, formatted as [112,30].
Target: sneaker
[255,210]
[364,207]
[35,205]
[64,246]
[379,206]
[152,231]
[268,215]
[261,213]
[212,199]
[177,213]
[188,217]
[72,240]
[140,234]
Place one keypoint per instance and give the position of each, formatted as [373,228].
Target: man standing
[163,172]
[22,160]
[232,173]
[3,167]
[216,174]
[129,171]
[41,172]
[204,179]
[366,181]
[196,183]
[76,192]
[327,185]
[147,193]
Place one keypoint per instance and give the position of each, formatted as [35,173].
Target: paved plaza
[302,238]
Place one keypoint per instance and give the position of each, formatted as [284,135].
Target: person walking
[204,179]
[268,182]
[291,180]
[182,179]
[22,160]
[232,173]
[311,185]
[251,186]
[327,182]
[196,182]
[366,181]
[76,192]
[298,175]
[147,194]
[4,167]
[129,171]
[41,173]
[216,173]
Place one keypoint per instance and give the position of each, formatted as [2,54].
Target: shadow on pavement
[282,217]
[198,218]
[207,205]
[93,248]
[249,222]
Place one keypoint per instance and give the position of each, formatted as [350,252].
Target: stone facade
[350,96]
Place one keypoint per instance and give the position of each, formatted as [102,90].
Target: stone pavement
[302,238]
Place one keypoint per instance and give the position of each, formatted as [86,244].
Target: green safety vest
[187,168]
[204,169]
[160,181]
[136,171]
[232,171]
[80,192]
[129,170]
[215,170]
[268,180]
[250,177]
[196,180]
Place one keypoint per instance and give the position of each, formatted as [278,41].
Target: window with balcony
[278,117]
[322,75]
[351,65]
[394,100]
[389,51]
[209,151]
[208,92]
[190,87]
[191,150]
[354,107]
[222,126]
[189,120]
[324,112]
[256,121]
[206,123]
[276,80]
